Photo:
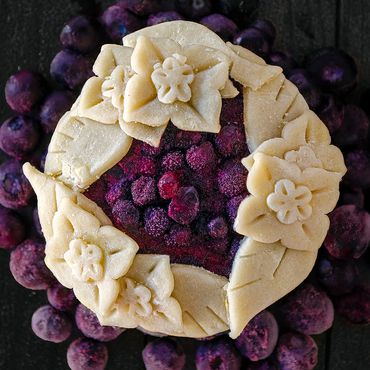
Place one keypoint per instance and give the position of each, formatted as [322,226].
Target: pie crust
[181,71]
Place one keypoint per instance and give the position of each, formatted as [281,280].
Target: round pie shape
[180,72]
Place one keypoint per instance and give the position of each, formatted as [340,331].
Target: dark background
[29,39]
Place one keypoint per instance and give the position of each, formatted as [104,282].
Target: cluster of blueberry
[183,196]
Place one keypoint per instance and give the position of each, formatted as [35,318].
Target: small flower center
[172,79]
[304,157]
[85,260]
[290,202]
[137,297]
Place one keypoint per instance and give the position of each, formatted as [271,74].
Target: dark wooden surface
[29,39]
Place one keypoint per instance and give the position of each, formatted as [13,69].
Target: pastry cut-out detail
[181,84]
[146,298]
[304,156]
[262,274]
[172,79]
[113,87]
[290,202]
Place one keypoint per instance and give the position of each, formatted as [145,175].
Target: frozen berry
[355,127]
[333,70]
[118,22]
[79,34]
[283,60]
[353,196]
[306,87]
[19,136]
[51,325]
[217,228]
[15,190]
[70,69]
[125,213]
[28,267]
[184,206]
[332,113]
[267,28]
[296,352]
[307,310]
[144,7]
[134,166]
[355,306]
[214,203]
[201,158]
[259,337]
[143,190]
[53,108]
[24,90]
[194,9]
[358,168]
[231,141]
[89,325]
[185,139]
[169,184]
[337,276]
[147,149]
[232,179]
[173,161]
[254,40]
[233,206]
[87,354]
[223,26]
[163,354]
[218,353]
[178,236]
[162,17]
[349,232]
[156,221]
[61,298]
[12,230]
[117,191]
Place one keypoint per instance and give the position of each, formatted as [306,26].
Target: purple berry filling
[181,198]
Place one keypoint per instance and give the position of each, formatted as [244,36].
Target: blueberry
[118,22]
[296,352]
[15,190]
[306,87]
[19,136]
[333,70]
[28,267]
[70,69]
[89,325]
[51,325]
[79,34]
[162,17]
[267,28]
[184,206]
[163,354]
[355,306]
[223,26]
[337,276]
[53,108]
[254,40]
[218,353]
[12,229]
[24,90]
[87,354]
[355,127]
[61,298]
[307,310]
[239,10]
[283,60]
[358,168]
[194,9]
[332,113]
[349,232]
[259,337]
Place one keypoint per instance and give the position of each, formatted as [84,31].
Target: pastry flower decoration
[294,184]
[88,257]
[145,297]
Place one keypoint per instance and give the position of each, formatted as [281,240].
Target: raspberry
[231,141]
[156,221]
[143,190]
[232,179]
[173,161]
[201,158]
[125,213]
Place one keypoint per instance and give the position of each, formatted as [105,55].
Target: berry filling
[181,198]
